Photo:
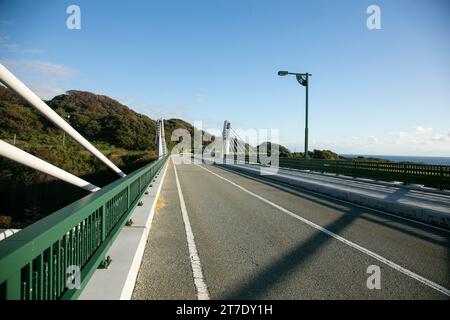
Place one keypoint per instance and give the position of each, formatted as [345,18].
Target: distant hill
[121,133]
[126,137]
[102,119]
[282,150]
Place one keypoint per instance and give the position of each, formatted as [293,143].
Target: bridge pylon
[226,139]
[160,138]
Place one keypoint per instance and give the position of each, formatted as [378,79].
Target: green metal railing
[435,176]
[34,262]
[429,175]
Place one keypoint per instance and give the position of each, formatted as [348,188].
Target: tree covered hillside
[126,137]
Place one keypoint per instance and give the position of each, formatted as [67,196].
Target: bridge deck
[415,196]
[256,241]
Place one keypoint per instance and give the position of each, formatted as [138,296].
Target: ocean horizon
[443,161]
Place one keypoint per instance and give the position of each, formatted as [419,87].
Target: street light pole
[306,120]
[303,79]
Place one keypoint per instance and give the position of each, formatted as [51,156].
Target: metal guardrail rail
[434,176]
[34,262]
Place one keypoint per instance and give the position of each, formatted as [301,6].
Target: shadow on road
[280,269]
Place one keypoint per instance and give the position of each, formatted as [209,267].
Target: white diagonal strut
[20,156]
[9,80]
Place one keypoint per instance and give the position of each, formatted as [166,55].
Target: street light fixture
[303,79]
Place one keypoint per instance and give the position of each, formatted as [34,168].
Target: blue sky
[372,91]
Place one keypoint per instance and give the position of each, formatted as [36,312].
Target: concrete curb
[412,211]
[118,281]
[365,180]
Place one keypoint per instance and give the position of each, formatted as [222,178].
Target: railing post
[442,178]
[378,169]
[405,178]
[128,196]
[103,223]
[13,287]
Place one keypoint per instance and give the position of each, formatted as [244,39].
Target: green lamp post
[303,79]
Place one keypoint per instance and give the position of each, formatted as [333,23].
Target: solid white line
[287,185]
[199,281]
[391,264]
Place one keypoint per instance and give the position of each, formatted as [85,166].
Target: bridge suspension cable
[233,143]
[241,144]
[22,157]
[9,80]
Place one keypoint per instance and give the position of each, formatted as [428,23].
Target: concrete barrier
[394,199]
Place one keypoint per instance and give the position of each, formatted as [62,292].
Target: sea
[443,161]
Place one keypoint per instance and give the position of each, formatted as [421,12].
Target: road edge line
[199,280]
[349,243]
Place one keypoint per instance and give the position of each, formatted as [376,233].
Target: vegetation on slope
[127,138]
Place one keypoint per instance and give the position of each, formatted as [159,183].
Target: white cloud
[154,111]
[423,130]
[372,140]
[44,68]
[408,142]
[42,77]
[46,92]
[5,23]
[441,137]
[200,98]
[410,138]
[8,46]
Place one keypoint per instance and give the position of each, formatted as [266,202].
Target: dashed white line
[351,244]
[199,281]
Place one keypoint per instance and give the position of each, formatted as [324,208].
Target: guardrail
[38,262]
[435,176]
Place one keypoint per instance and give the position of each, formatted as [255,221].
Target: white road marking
[199,281]
[391,264]
[352,203]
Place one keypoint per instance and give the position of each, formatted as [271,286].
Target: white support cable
[237,136]
[9,80]
[234,140]
[238,141]
[240,147]
[22,157]
[234,144]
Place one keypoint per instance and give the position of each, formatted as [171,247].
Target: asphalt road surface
[233,237]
